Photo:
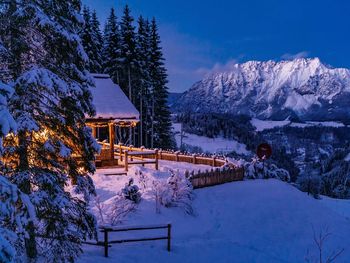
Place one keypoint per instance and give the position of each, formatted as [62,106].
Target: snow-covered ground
[211,145]
[261,125]
[250,221]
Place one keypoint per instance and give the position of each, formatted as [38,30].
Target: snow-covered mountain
[303,88]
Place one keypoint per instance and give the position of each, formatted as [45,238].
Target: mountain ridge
[302,88]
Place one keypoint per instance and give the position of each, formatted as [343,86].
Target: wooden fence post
[105,243]
[214,161]
[142,148]
[177,156]
[126,160]
[156,159]
[194,159]
[169,236]
[130,149]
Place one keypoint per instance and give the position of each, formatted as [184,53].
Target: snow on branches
[16,211]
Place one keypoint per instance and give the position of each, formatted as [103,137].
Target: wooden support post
[156,159]
[177,156]
[94,132]
[111,139]
[121,151]
[214,161]
[105,242]
[126,160]
[194,159]
[169,236]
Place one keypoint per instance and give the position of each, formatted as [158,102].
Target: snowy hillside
[303,88]
[250,221]
[210,145]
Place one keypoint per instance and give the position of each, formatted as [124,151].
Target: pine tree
[98,41]
[50,102]
[161,122]
[92,40]
[128,55]
[112,48]
[16,210]
[143,79]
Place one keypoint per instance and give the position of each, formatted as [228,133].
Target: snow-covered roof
[110,101]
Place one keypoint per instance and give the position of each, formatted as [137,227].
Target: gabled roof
[110,101]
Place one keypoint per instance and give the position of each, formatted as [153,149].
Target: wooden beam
[111,139]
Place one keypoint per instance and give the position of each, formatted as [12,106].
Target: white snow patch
[261,125]
[211,145]
[250,221]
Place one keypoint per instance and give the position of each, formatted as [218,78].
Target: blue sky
[199,36]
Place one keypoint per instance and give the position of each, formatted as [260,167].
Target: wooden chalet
[116,117]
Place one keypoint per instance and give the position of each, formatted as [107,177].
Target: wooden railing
[143,153]
[106,243]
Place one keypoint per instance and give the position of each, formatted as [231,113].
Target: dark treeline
[132,55]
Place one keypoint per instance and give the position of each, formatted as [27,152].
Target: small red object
[264,151]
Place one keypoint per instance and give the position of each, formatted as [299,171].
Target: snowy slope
[251,221]
[211,145]
[305,88]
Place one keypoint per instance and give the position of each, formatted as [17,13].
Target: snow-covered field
[261,125]
[250,221]
[211,145]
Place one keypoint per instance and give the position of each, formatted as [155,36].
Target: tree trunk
[141,120]
[130,91]
[25,187]
[152,127]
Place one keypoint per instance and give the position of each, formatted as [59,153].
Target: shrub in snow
[113,211]
[131,192]
[256,169]
[142,179]
[119,209]
[310,183]
[177,191]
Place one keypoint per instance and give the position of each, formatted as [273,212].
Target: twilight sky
[199,36]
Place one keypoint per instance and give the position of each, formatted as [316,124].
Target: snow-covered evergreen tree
[98,42]
[112,48]
[51,98]
[128,55]
[16,211]
[143,100]
[161,124]
[92,40]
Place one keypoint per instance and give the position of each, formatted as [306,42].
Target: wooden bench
[106,243]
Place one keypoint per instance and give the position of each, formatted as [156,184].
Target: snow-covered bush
[119,209]
[177,191]
[257,169]
[131,192]
[142,179]
[114,210]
